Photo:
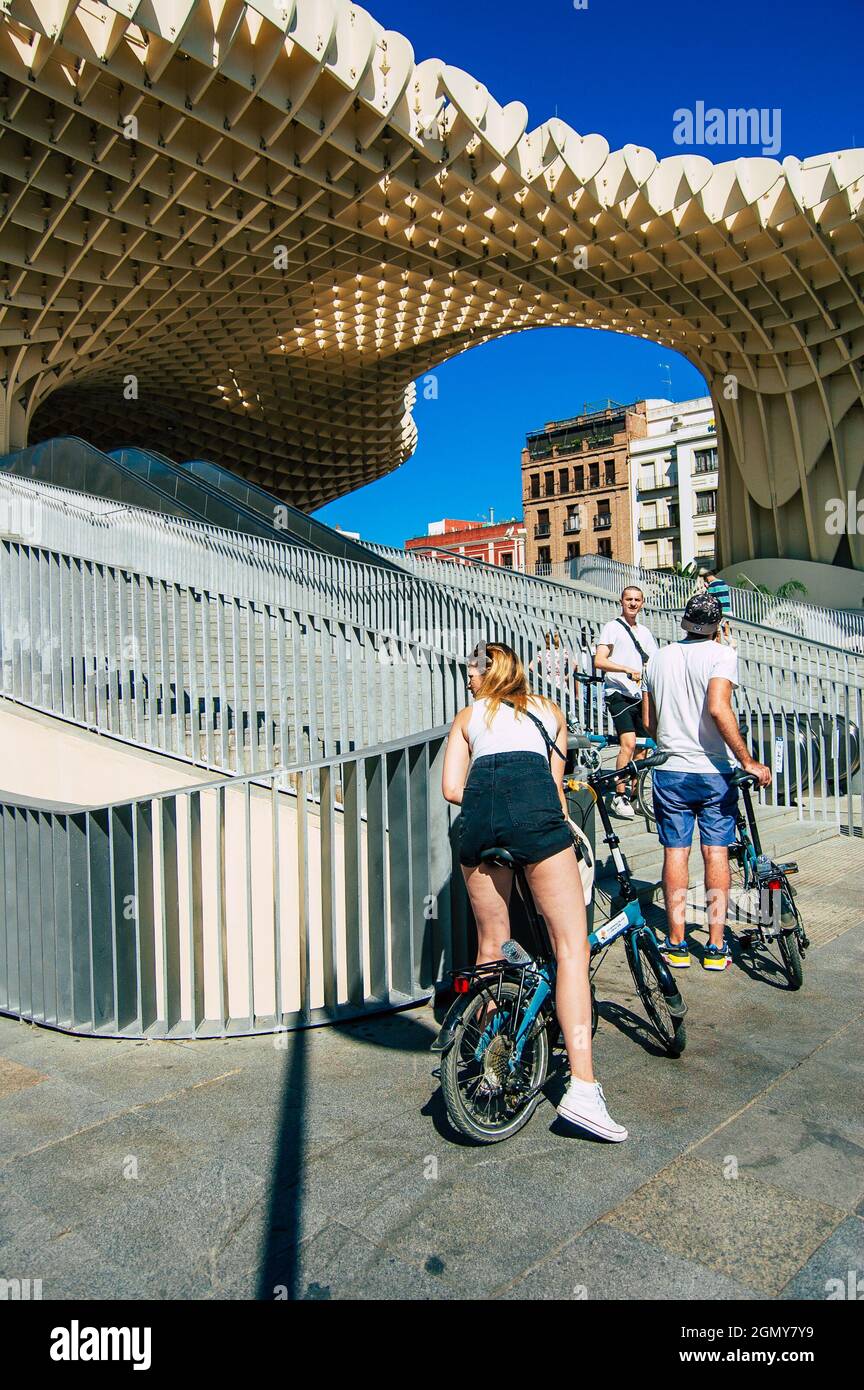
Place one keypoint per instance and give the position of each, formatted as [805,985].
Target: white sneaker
[621,808]
[584,1104]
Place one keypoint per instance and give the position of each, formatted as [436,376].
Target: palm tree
[792,588]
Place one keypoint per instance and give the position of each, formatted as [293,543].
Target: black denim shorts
[511,801]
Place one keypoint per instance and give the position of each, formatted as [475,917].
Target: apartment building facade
[673,483]
[576,485]
[493,542]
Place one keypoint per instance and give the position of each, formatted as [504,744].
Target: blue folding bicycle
[499,1036]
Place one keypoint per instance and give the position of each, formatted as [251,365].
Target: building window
[604,547]
[706,503]
[544,555]
[674,516]
[593,475]
[609,467]
[549,479]
[706,461]
[649,516]
[603,519]
[563,479]
[579,480]
[535,484]
[573,520]
[507,560]
[542,528]
[646,477]
[649,555]
[573,550]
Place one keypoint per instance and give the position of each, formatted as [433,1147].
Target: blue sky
[621,68]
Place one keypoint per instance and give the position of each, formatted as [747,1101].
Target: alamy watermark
[845,515]
[701,125]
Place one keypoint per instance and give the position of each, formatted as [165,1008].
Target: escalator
[303,529]
[197,491]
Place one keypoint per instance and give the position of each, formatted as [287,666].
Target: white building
[673,485]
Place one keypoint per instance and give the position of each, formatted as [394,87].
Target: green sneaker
[676,953]
[716,957]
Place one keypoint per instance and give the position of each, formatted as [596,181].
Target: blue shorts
[682,798]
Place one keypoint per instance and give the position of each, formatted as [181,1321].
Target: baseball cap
[702,615]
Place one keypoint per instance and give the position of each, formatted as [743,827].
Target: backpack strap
[550,742]
[628,629]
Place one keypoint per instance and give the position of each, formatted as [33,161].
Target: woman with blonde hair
[504,765]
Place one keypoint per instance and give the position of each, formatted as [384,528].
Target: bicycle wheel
[788,943]
[792,941]
[645,796]
[486,1099]
[659,994]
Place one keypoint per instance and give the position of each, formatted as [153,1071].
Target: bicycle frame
[760,871]
[629,921]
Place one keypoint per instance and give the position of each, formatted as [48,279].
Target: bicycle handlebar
[744,779]
[631,769]
[585,679]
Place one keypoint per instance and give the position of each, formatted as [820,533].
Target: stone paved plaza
[325,1168]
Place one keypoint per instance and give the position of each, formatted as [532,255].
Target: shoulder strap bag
[628,629]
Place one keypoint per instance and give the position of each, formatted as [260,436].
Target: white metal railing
[222,681]
[255,903]
[834,626]
[302,638]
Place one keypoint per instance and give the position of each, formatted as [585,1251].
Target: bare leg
[557,890]
[626,749]
[489,888]
[675,883]
[717,880]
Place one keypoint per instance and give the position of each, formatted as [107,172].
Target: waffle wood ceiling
[241,231]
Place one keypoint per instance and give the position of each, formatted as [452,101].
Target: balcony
[541,530]
[658,481]
[572,525]
[662,521]
[603,521]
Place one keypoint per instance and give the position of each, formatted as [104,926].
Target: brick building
[576,486]
[495,542]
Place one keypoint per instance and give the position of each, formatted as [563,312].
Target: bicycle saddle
[497,856]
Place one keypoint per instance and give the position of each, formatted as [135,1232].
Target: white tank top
[508,732]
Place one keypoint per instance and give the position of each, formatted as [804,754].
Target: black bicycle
[764,896]
[501,1031]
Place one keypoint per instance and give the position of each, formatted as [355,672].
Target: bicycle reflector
[461,984]
[774,884]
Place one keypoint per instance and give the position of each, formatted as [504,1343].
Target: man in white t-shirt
[623,647]
[688,709]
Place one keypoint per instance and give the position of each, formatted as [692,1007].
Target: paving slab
[606,1263]
[835,1271]
[15,1077]
[747,1230]
[793,1152]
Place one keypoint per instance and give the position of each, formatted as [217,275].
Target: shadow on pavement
[279,1267]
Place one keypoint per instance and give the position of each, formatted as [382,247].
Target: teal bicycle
[584,749]
[498,1040]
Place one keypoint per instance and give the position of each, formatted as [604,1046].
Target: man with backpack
[624,648]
